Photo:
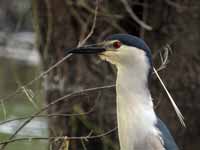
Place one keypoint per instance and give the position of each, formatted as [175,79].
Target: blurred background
[33,36]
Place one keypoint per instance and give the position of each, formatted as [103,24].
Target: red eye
[117,44]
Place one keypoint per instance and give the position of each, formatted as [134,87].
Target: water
[13,74]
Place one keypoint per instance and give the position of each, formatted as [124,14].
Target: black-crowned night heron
[138,126]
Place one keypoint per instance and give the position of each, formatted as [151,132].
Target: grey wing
[168,140]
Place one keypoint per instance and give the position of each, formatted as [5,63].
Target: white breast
[135,120]
[135,113]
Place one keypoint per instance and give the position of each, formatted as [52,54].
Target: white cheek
[133,58]
[103,57]
[125,56]
[110,56]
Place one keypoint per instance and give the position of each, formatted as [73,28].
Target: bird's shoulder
[151,141]
[166,138]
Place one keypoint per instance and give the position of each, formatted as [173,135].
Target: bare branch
[30,97]
[176,5]
[18,90]
[135,17]
[3,109]
[60,138]
[65,97]
[179,114]
[51,115]
[42,75]
[164,58]
[93,26]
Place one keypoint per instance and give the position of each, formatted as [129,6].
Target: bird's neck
[135,114]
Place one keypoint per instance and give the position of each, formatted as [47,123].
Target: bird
[139,128]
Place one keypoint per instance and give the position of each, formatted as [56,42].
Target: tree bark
[178,25]
[60,24]
[57,29]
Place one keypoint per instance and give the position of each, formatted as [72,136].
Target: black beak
[86,50]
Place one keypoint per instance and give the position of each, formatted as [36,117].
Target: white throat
[135,115]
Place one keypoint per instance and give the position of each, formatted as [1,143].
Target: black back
[169,142]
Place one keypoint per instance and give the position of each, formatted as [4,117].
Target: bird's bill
[87,50]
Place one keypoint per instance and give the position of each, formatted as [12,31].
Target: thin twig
[93,26]
[3,109]
[51,104]
[18,90]
[43,74]
[180,116]
[30,97]
[176,5]
[60,138]
[83,144]
[164,58]
[50,115]
[135,17]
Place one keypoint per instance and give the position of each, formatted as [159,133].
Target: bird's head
[122,50]
[125,49]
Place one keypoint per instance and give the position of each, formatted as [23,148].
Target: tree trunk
[178,25]
[60,24]
[57,29]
